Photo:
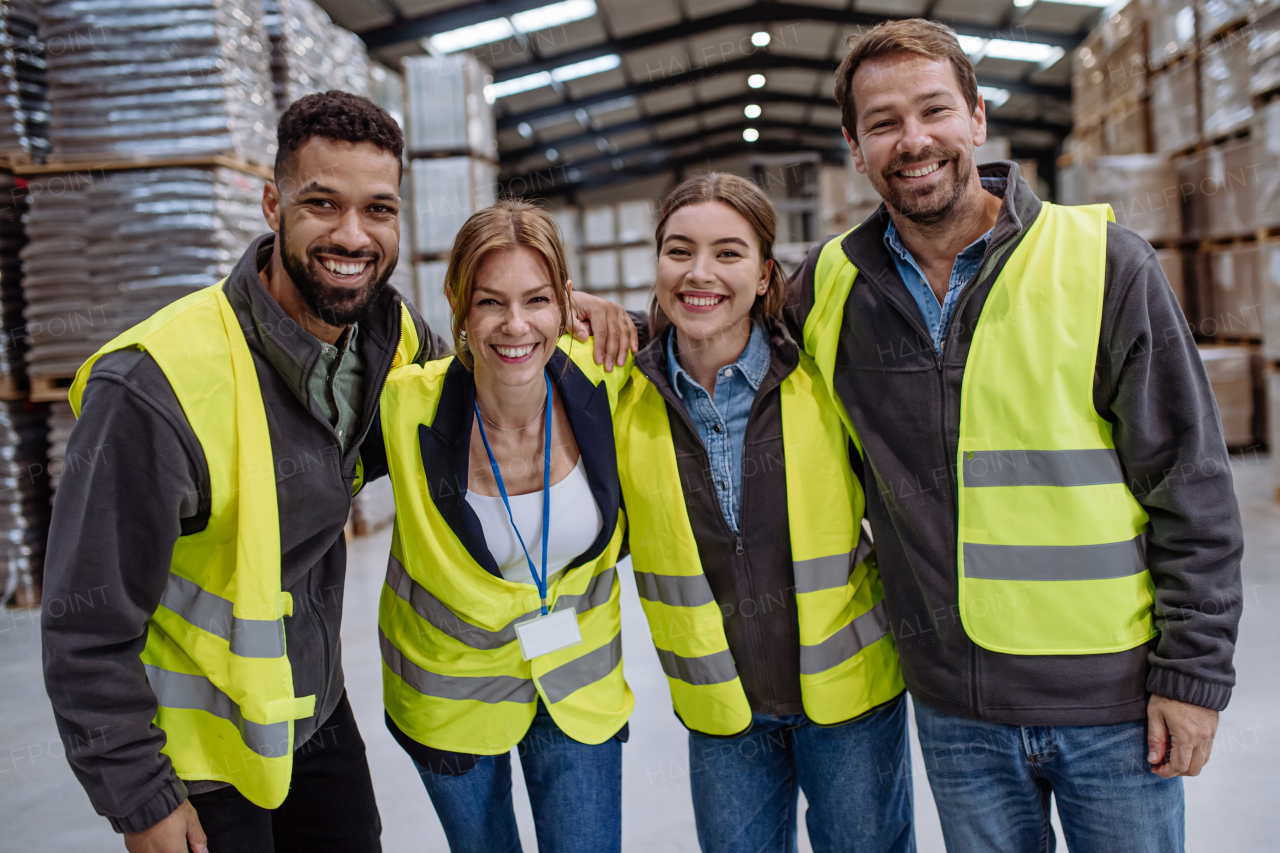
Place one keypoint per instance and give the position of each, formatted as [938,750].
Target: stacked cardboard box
[1171,28]
[1214,16]
[1236,292]
[1175,113]
[1225,99]
[159,78]
[1231,374]
[1142,189]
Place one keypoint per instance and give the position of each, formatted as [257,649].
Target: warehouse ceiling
[588,92]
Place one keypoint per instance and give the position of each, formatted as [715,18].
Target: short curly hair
[339,116]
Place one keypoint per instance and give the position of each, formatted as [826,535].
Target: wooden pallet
[50,389]
[9,390]
[63,164]
[12,160]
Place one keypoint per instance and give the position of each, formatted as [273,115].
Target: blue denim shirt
[722,422]
[964,268]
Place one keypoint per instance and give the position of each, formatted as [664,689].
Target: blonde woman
[762,595]
[499,621]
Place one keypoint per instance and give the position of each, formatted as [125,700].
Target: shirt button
[728,371]
[716,427]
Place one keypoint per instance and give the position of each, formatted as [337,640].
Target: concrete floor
[1231,807]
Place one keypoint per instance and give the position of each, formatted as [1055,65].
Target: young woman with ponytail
[744,502]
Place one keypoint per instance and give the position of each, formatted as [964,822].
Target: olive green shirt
[337,385]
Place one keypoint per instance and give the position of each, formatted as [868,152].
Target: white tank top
[575,523]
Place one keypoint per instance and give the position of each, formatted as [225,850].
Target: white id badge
[543,635]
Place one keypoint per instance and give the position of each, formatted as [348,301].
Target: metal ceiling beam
[741,99]
[638,153]
[421,26]
[657,167]
[749,63]
[760,14]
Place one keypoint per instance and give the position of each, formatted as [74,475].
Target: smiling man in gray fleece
[1052,503]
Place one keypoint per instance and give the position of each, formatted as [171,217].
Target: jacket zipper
[739,548]
[952,482]
[382,387]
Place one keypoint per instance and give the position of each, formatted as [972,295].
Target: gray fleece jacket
[117,518]
[904,400]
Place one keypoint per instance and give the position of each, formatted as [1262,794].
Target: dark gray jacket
[117,516]
[750,572]
[1150,384]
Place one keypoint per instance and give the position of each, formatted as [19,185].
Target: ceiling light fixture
[752,111]
[559,75]
[756,81]
[497,29]
[994,98]
[750,134]
[760,39]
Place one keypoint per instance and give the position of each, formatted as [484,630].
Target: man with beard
[201,698]
[1053,509]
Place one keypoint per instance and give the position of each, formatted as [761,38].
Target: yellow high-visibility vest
[215,653]
[452,673]
[1050,554]
[848,661]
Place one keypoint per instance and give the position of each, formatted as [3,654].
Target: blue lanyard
[546,495]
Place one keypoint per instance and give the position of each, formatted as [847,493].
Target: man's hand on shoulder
[615,335]
[1179,737]
[180,832]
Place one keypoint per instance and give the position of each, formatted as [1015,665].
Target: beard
[925,205]
[336,306]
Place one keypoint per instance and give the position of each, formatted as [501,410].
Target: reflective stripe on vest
[1050,552]
[448,623]
[250,638]
[453,677]
[845,668]
[215,653]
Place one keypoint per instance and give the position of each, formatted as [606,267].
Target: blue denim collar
[894,242]
[753,363]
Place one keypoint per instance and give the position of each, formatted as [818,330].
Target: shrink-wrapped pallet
[1171,30]
[24,93]
[1214,16]
[446,191]
[1269,284]
[107,250]
[599,225]
[1175,116]
[1143,191]
[1231,377]
[1225,99]
[600,266]
[1265,172]
[635,222]
[1264,52]
[1126,65]
[447,107]
[639,266]
[1236,291]
[159,78]
[13,340]
[1273,425]
[24,500]
[428,296]
[310,53]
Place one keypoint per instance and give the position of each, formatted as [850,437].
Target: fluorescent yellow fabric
[1050,558]
[452,673]
[215,652]
[848,661]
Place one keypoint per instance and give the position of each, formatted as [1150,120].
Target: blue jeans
[856,777]
[992,785]
[575,790]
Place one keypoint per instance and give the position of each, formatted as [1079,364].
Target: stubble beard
[930,205]
[336,306]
